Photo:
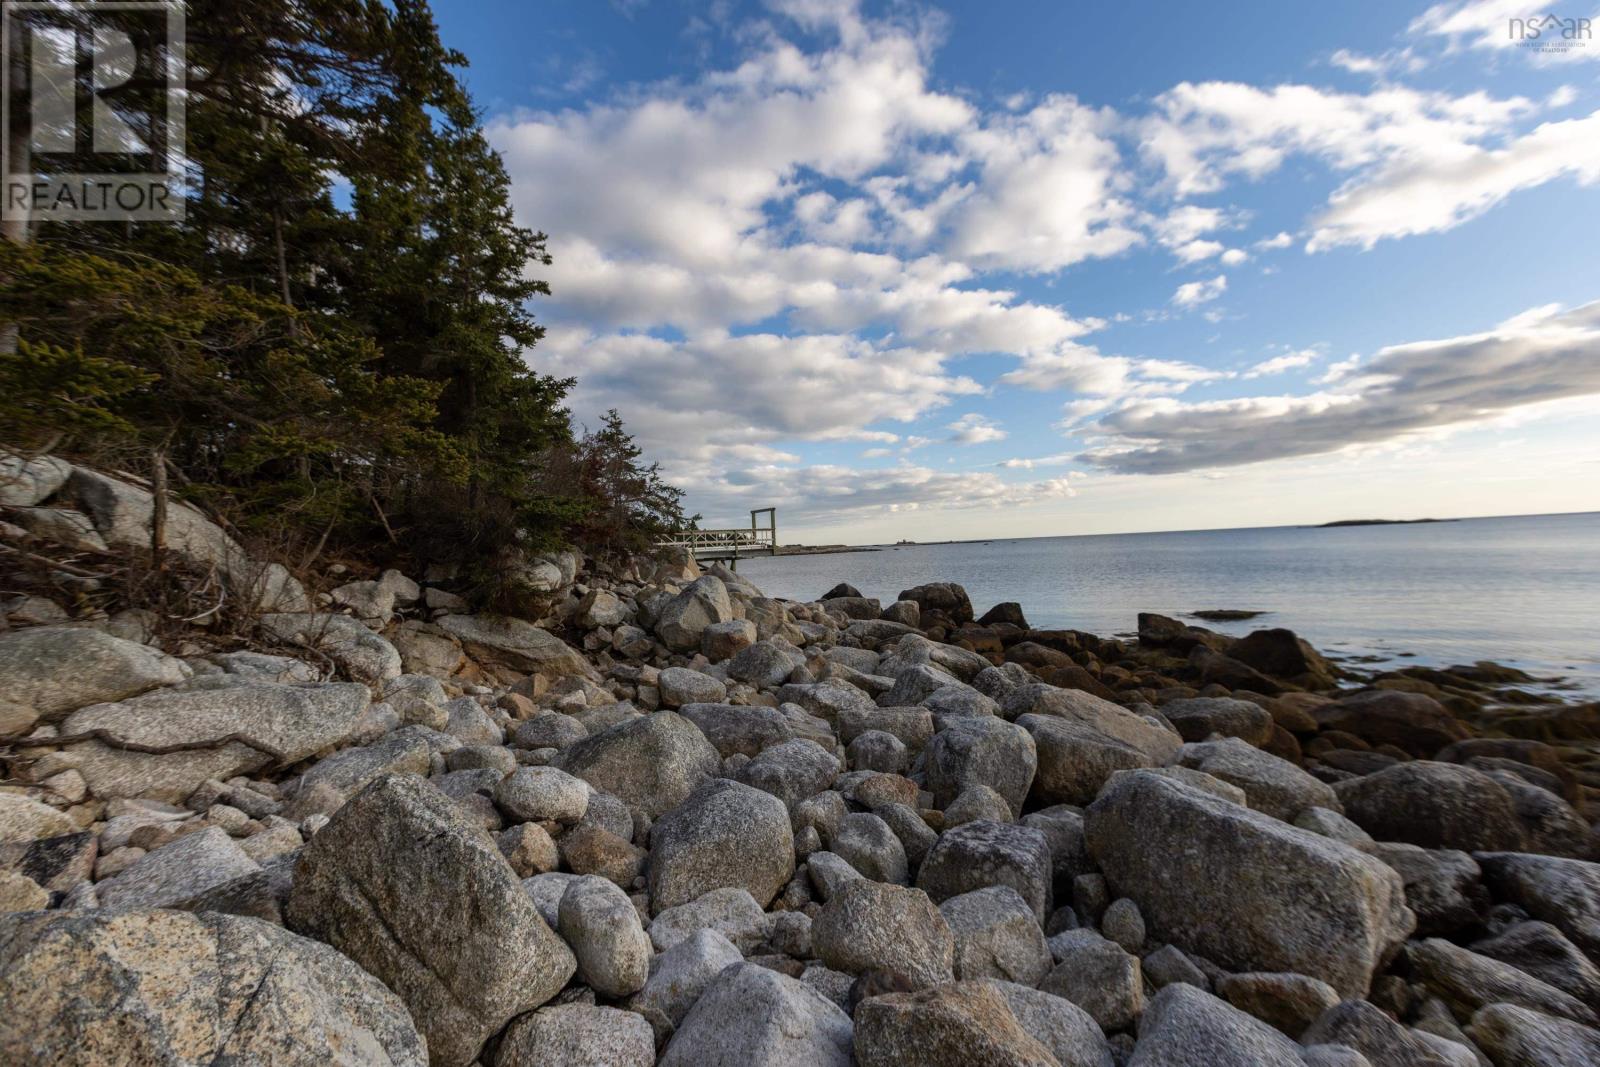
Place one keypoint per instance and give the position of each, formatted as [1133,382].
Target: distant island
[1378,522]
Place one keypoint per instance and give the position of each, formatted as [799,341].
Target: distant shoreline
[819,550]
[1376,522]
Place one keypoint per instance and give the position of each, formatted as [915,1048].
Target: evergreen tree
[333,341]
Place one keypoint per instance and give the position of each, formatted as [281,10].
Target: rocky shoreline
[675,821]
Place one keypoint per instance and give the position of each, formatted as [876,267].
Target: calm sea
[1523,591]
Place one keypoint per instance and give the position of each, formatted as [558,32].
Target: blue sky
[943,270]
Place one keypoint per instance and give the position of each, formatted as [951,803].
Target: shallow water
[1523,591]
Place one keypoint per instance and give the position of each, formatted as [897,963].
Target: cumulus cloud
[974,429]
[1438,192]
[1541,356]
[831,493]
[1203,134]
[1193,294]
[1047,190]
[1419,162]
[802,246]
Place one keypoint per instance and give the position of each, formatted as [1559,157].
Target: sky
[969,270]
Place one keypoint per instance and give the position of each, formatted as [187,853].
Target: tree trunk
[158,509]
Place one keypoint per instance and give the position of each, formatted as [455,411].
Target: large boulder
[1435,805]
[980,854]
[1074,760]
[363,655]
[996,936]
[765,664]
[1188,1027]
[330,782]
[602,927]
[751,729]
[1242,888]
[1539,949]
[680,685]
[122,513]
[1284,655]
[1443,887]
[1097,975]
[403,883]
[731,912]
[652,763]
[52,670]
[1563,892]
[1197,718]
[1069,1032]
[1467,981]
[25,483]
[982,751]
[169,987]
[23,819]
[869,845]
[703,602]
[792,771]
[1158,743]
[1366,1028]
[1414,722]
[166,743]
[679,975]
[957,1025]
[1513,1036]
[869,926]
[946,597]
[724,835]
[1270,784]
[515,644]
[1549,823]
[754,1017]
[578,1035]
[176,872]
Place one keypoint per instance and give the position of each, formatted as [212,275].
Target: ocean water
[1523,591]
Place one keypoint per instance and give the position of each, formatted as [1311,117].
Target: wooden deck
[729,545]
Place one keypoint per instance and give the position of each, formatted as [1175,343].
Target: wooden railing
[729,543]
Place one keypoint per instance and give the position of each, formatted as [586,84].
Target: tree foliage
[333,344]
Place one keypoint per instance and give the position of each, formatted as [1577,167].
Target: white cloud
[1539,357]
[690,401]
[1560,97]
[827,493]
[1193,294]
[1418,162]
[1047,190]
[974,429]
[1403,60]
[801,246]
[1028,463]
[1202,134]
[1427,195]
[1288,361]
[1355,63]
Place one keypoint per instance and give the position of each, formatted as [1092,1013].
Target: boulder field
[677,821]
